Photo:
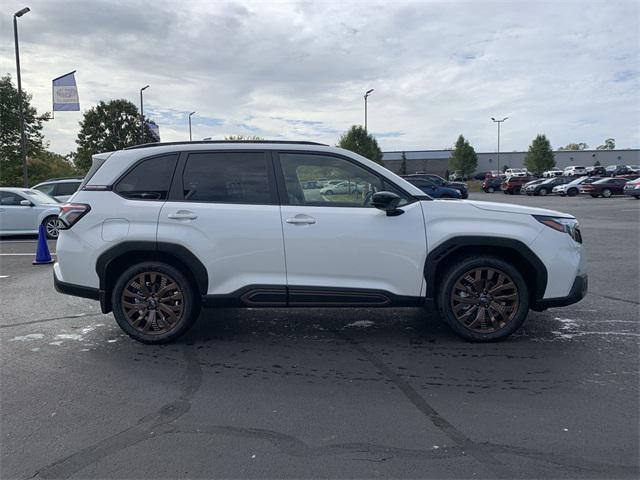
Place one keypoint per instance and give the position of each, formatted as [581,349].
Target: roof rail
[61,178]
[201,142]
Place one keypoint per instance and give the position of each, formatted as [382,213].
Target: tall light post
[499,122]
[142,114]
[190,138]
[23,135]
[366,95]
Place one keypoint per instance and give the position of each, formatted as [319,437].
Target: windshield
[38,197]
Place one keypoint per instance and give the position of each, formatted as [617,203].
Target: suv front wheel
[153,302]
[483,299]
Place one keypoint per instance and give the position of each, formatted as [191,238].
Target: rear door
[340,249]
[223,208]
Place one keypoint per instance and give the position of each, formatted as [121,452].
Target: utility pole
[142,114]
[499,122]
[366,95]
[190,138]
[23,135]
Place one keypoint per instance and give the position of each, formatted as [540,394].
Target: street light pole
[499,122]
[190,138]
[142,114]
[23,136]
[366,95]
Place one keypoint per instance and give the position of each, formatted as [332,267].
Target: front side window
[227,177]
[344,184]
[10,199]
[149,179]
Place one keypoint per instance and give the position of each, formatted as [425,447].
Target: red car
[513,185]
[605,187]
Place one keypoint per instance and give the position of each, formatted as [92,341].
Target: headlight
[562,224]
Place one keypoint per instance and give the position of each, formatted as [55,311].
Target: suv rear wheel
[154,302]
[483,299]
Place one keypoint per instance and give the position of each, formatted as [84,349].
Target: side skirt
[256,296]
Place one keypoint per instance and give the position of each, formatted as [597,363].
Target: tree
[575,146]
[237,138]
[540,155]
[359,141]
[403,164]
[464,157]
[609,144]
[109,126]
[10,152]
[505,168]
[47,165]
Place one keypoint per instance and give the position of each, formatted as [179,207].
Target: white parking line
[19,254]
[4,276]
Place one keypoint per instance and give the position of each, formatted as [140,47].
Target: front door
[17,217]
[226,213]
[336,244]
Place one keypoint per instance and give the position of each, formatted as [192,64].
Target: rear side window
[227,177]
[66,188]
[149,179]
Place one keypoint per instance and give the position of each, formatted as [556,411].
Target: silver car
[23,210]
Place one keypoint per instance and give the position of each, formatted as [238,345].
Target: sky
[299,70]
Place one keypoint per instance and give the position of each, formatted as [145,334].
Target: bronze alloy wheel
[153,303]
[484,299]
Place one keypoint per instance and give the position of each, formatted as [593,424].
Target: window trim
[176,193]
[114,185]
[282,187]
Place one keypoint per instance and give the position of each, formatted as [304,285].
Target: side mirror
[387,201]
[26,203]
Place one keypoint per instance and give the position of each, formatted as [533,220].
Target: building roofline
[519,151]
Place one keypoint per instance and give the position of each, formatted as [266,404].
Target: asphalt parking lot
[328,392]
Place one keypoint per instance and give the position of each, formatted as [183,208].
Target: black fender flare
[512,246]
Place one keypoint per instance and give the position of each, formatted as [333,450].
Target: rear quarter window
[149,179]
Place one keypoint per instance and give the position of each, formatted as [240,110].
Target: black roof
[201,142]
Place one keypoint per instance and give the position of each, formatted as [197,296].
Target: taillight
[70,213]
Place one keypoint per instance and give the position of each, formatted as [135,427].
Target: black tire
[491,190]
[329,192]
[517,191]
[187,306]
[594,195]
[543,192]
[572,192]
[52,227]
[606,193]
[507,192]
[637,197]
[519,304]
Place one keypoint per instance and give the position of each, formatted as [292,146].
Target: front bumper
[577,293]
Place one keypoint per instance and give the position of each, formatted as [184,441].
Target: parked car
[311,185]
[494,173]
[554,172]
[634,168]
[605,187]
[574,171]
[457,176]
[513,185]
[481,175]
[462,187]
[573,187]
[615,170]
[23,210]
[59,188]
[516,172]
[546,186]
[343,187]
[276,248]
[491,184]
[632,188]
[433,189]
[596,171]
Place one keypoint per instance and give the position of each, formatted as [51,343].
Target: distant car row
[566,186]
[570,171]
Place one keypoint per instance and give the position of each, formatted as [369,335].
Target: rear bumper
[577,293]
[75,290]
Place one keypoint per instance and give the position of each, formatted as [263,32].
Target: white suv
[158,231]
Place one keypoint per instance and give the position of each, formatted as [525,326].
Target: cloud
[299,70]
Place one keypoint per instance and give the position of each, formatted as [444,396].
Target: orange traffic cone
[43,257]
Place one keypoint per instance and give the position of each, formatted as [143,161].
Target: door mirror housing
[387,201]
[26,203]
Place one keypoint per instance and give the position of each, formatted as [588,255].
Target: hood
[512,208]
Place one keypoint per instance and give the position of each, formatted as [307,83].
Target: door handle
[182,215]
[301,220]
